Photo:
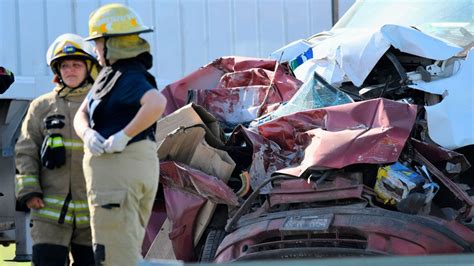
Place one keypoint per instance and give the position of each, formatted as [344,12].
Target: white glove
[117,142]
[93,141]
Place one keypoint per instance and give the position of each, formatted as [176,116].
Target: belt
[142,137]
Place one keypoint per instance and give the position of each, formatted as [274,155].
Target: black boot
[99,254]
[82,255]
[49,255]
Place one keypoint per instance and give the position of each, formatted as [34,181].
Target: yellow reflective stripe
[82,214]
[82,220]
[76,205]
[79,205]
[82,217]
[72,144]
[24,181]
[27,180]
[73,141]
[56,197]
[57,142]
[77,209]
[54,201]
[52,214]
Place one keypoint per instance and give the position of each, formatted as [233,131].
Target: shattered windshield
[450,20]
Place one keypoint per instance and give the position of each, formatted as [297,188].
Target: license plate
[308,223]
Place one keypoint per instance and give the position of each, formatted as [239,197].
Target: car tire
[213,240]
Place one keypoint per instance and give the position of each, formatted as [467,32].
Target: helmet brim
[105,35]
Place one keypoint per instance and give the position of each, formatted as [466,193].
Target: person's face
[73,72]
[99,50]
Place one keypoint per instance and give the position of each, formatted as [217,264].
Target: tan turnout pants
[121,189]
[57,234]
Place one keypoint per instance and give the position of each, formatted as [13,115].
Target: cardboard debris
[180,144]
[188,146]
[161,248]
[182,118]
[187,116]
[190,135]
[212,161]
[203,219]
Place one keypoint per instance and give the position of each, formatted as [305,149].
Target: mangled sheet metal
[192,136]
[178,175]
[372,131]
[452,163]
[291,51]
[350,55]
[263,155]
[234,89]
[458,200]
[188,116]
[186,191]
[451,122]
[237,105]
[193,173]
[339,186]
[315,93]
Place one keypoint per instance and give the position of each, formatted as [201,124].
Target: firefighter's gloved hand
[93,141]
[53,152]
[117,142]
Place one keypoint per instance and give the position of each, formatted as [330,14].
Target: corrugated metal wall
[188,33]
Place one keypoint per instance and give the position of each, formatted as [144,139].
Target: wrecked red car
[326,205]
[356,142]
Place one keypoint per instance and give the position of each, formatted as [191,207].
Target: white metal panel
[298,20]
[168,40]
[320,13]
[188,33]
[33,38]
[245,25]
[59,18]
[344,5]
[219,25]
[104,2]
[193,34]
[145,8]
[271,26]
[82,9]
[9,40]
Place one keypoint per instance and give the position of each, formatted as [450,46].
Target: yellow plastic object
[245,178]
[395,182]
[115,20]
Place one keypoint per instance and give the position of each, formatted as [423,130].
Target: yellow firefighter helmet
[72,46]
[115,20]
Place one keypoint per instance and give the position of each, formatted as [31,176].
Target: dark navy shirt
[121,104]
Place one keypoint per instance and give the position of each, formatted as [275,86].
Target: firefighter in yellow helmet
[122,108]
[49,154]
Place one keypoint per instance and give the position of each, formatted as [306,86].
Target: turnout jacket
[62,189]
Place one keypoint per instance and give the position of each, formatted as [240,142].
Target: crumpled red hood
[373,131]
[233,73]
